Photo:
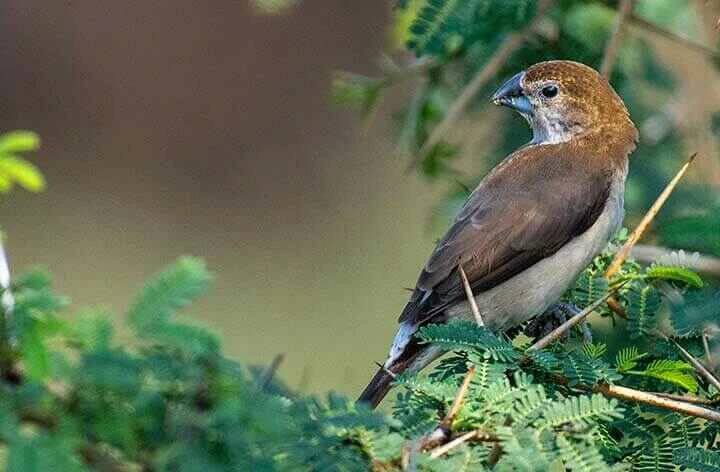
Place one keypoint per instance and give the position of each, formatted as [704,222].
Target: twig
[702,263]
[470,297]
[442,432]
[269,372]
[555,334]
[687,398]
[616,308]
[511,44]
[459,399]
[652,28]
[394,72]
[613,45]
[697,365]
[440,450]
[629,394]
[623,253]
[708,354]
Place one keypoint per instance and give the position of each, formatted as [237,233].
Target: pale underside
[532,291]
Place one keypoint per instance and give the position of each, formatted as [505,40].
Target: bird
[534,222]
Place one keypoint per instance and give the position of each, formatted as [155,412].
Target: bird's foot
[554,317]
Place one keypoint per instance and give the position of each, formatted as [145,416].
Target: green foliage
[356,91]
[675,372]
[675,274]
[643,303]
[690,313]
[13,168]
[698,459]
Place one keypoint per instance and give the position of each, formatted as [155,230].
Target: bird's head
[562,100]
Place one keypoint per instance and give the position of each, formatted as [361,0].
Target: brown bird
[534,222]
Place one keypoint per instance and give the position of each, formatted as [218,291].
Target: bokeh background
[189,127]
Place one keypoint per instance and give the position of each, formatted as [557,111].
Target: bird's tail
[378,387]
[414,357]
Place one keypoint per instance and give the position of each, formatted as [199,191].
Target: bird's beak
[510,94]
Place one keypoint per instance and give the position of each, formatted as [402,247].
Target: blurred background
[206,128]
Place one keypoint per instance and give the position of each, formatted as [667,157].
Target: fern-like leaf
[698,459]
[627,359]
[581,456]
[643,303]
[581,411]
[674,274]
[467,335]
[678,373]
[168,292]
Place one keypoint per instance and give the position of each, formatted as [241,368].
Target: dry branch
[623,253]
[471,299]
[613,45]
[629,394]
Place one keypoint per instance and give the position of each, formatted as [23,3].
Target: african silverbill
[534,222]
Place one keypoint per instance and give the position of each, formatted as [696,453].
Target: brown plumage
[535,221]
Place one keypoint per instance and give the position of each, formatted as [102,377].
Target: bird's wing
[525,210]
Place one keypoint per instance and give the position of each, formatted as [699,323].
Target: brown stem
[470,297]
[613,45]
[629,394]
[623,253]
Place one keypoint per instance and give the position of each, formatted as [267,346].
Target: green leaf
[588,288]
[356,91]
[627,359]
[168,292]
[92,330]
[643,303]
[19,141]
[694,310]
[582,411]
[656,455]
[22,172]
[468,335]
[698,459]
[35,355]
[674,274]
[678,373]
[581,456]
[594,350]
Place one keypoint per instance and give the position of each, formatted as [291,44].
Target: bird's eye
[549,91]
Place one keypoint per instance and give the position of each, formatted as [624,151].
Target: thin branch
[511,44]
[623,253]
[555,334]
[700,263]
[687,43]
[613,45]
[708,354]
[629,394]
[459,399]
[268,374]
[687,398]
[394,72]
[440,450]
[697,365]
[470,297]
[441,433]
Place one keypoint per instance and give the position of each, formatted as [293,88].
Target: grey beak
[510,94]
